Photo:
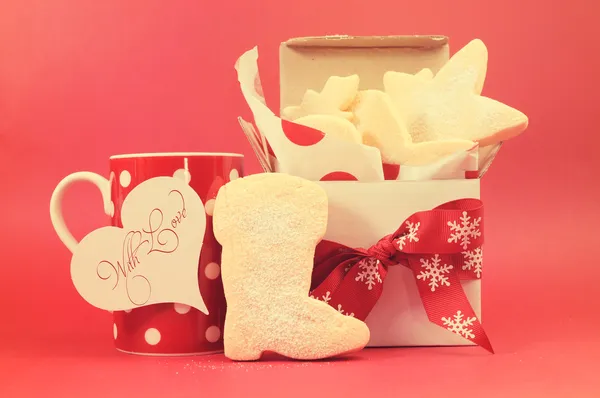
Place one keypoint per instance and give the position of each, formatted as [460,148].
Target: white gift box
[362,212]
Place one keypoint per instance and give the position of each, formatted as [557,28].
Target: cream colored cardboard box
[362,213]
[307,63]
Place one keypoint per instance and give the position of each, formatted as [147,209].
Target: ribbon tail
[444,299]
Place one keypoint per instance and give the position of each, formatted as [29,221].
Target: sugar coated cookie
[449,106]
[269,225]
[381,127]
[335,98]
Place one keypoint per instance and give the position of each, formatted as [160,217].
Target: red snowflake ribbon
[442,247]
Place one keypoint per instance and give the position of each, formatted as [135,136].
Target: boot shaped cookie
[269,225]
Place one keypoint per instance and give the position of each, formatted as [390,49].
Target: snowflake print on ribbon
[460,325]
[326,298]
[370,272]
[435,272]
[411,235]
[462,232]
[341,311]
[473,261]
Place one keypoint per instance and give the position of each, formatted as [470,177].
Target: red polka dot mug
[167,328]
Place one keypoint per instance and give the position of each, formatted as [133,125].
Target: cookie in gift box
[417,119]
[343,106]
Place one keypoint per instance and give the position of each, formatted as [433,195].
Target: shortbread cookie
[472,56]
[335,98]
[333,125]
[380,127]
[269,225]
[449,105]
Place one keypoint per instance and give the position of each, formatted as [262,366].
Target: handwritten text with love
[158,237]
[153,258]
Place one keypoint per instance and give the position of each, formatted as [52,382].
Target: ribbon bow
[442,246]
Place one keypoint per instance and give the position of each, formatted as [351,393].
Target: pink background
[81,80]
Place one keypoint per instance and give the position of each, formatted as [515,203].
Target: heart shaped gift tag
[153,259]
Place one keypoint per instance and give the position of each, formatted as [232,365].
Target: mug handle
[58,222]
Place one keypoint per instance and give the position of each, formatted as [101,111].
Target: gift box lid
[417,41]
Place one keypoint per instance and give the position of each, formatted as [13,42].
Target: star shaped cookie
[378,122]
[449,106]
[335,98]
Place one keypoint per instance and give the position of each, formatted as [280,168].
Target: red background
[81,80]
